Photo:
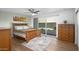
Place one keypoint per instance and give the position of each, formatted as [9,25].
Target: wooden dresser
[5,39]
[66,32]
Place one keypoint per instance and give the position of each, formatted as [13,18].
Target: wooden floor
[55,45]
[16,45]
[58,45]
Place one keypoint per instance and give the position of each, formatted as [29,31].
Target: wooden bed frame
[30,34]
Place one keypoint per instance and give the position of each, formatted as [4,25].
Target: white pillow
[18,27]
[25,27]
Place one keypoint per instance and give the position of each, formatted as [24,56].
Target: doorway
[46,27]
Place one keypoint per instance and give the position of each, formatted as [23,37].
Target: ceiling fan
[33,11]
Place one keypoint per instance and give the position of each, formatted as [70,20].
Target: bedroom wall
[59,17]
[76,28]
[6,19]
[77,22]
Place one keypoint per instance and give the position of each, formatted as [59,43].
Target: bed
[24,31]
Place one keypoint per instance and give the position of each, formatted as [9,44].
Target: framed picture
[16,18]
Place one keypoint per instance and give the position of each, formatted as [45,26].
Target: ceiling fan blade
[31,10]
[37,11]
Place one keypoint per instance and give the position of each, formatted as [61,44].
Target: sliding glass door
[47,27]
[51,28]
[42,27]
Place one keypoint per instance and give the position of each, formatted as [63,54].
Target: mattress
[20,34]
[24,30]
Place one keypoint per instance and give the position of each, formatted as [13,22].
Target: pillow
[18,27]
[25,27]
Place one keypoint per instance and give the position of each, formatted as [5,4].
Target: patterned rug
[39,43]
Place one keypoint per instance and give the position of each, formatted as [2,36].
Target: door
[35,22]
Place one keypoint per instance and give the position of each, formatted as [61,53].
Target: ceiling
[24,11]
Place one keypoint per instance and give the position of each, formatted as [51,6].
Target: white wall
[61,16]
[6,19]
[78,27]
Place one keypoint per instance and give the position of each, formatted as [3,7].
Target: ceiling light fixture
[34,14]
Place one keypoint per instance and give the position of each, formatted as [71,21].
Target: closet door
[35,22]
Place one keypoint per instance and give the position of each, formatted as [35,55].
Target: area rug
[39,43]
